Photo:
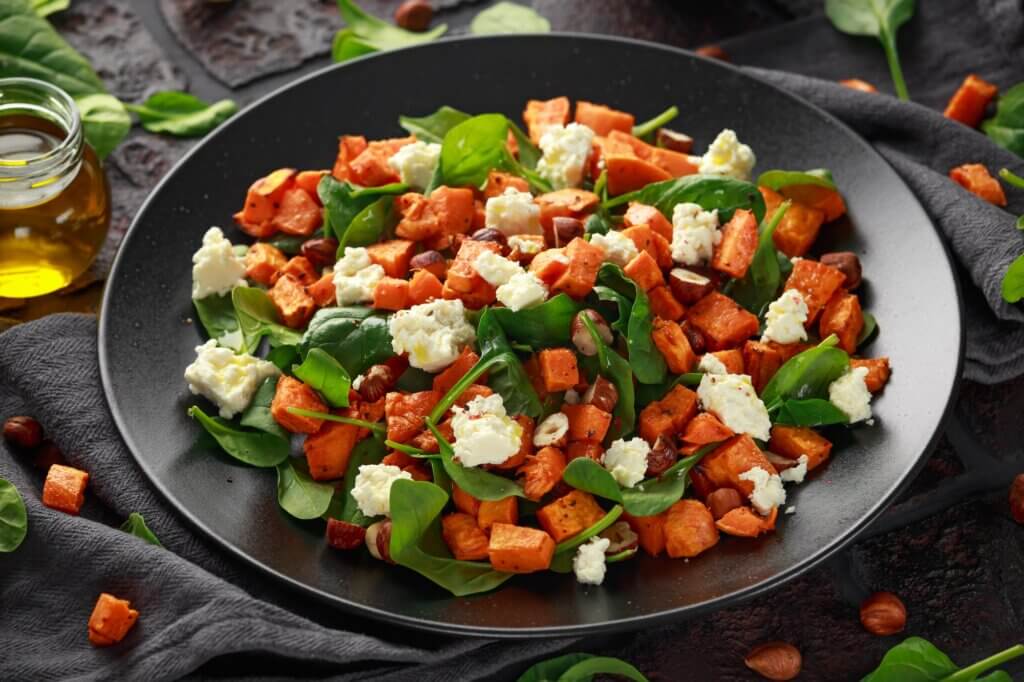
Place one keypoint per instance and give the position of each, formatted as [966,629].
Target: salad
[482,350]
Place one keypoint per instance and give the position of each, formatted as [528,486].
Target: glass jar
[54,200]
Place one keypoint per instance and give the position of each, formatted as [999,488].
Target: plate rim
[677,613]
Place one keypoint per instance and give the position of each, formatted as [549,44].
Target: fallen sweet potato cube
[111,620]
[969,101]
[518,549]
[569,515]
[64,489]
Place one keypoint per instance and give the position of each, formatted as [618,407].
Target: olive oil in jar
[54,201]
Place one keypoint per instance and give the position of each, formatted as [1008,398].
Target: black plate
[145,341]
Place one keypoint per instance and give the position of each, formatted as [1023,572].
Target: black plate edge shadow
[622,624]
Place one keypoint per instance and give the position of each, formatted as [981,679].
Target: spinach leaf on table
[880,19]
[508,17]
[543,326]
[105,122]
[136,525]
[709,191]
[644,357]
[1013,281]
[343,506]
[580,668]
[355,337]
[325,374]
[648,128]
[181,114]
[416,541]
[13,517]
[1006,128]
[918,660]
[478,482]
[806,375]
[45,8]
[433,127]
[810,412]
[257,317]
[297,492]
[217,315]
[365,33]
[761,283]
[616,369]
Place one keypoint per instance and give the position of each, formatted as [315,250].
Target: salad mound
[507,351]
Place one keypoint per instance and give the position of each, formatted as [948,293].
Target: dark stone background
[949,547]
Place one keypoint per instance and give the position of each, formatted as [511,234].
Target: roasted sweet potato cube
[405,413]
[799,227]
[732,359]
[505,510]
[518,549]
[541,472]
[323,292]
[668,416]
[418,221]
[842,316]
[568,203]
[878,372]
[725,463]
[370,168]
[264,196]
[975,178]
[454,209]
[423,287]
[111,620]
[628,172]
[262,262]
[689,529]
[651,531]
[587,422]
[294,306]
[735,253]
[761,362]
[793,441]
[786,350]
[674,163]
[301,269]
[602,119]
[585,448]
[444,381]
[642,214]
[674,346]
[299,213]
[293,393]
[349,147]
[466,540]
[498,182]
[391,293]
[970,100]
[328,450]
[647,239]
[393,255]
[464,502]
[828,201]
[558,369]
[309,180]
[569,515]
[643,270]
[722,321]
[462,276]
[581,271]
[540,115]
[664,304]
[745,523]
[64,489]
[706,428]
[550,265]
[817,283]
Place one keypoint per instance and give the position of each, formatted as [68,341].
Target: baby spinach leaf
[544,326]
[434,127]
[654,495]
[620,556]
[585,474]
[758,288]
[284,357]
[415,510]
[291,245]
[258,415]
[13,517]
[355,337]
[136,525]
[257,317]
[371,225]
[648,128]
[343,506]
[623,307]
[810,412]
[1013,281]
[529,154]
[507,376]
[473,148]
[1006,128]
[777,179]
[105,122]
[47,7]
[648,393]
[217,315]
[253,447]
[806,374]
[644,357]
[878,18]
[297,492]
[325,374]
[343,202]
[181,114]
[365,33]
[508,17]
[561,562]
[551,669]
[598,223]
[708,191]
[869,331]
[601,665]
[478,482]
[616,369]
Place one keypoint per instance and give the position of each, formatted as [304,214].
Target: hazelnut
[24,433]
[581,335]
[344,535]
[883,614]
[676,141]
[565,229]
[551,432]
[489,234]
[321,252]
[602,394]
[1017,499]
[723,501]
[377,381]
[778,461]
[847,263]
[662,455]
[621,537]
[689,286]
[414,15]
[378,540]
[694,336]
[713,52]
[775,660]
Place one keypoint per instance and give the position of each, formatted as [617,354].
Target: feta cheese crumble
[528,247]
[216,270]
[710,364]
[618,248]
[627,461]
[784,321]
[433,334]
[768,491]
[522,290]
[355,276]
[851,395]
[484,433]
[695,234]
[228,379]
[513,212]
[731,397]
[566,150]
[588,564]
[495,270]
[728,156]
[372,488]
[415,163]
[796,474]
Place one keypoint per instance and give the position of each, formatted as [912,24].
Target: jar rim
[69,118]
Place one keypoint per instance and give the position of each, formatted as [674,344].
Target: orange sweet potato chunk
[301,269]
[644,270]
[444,381]
[628,173]
[293,393]
[541,472]
[518,549]
[393,255]
[466,540]
[745,523]
[464,502]
[569,202]
[642,214]
[569,515]
[722,321]
[725,463]
[370,168]
[262,262]
[264,196]
[672,343]
[323,292]
[581,271]
[310,180]
[111,620]
[647,239]
[298,214]
[417,220]
[391,293]
[799,227]
[587,422]
[454,209]
[423,287]
[878,372]
[817,283]
[405,413]
[294,305]
[793,441]
[706,428]
[975,178]
[498,182]
[558,369]
[668,416]
[349,147]
[664,304]
[735,253]
[732,359]
[505,510]
[602,119]
[540,115]
[651,531]
[842,316]
[328,450]
[585,448]
[761,362]
[689,529]
[969,101]
[550,265]
[64,489]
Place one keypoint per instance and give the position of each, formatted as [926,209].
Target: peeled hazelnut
[1017,499]
[378,540]
[414,15]
[778,461]
[621,537]
[321,252]
[713,51]
[688,286]
[344,535]
[722,501]
[694,336]
[377,381]
[581,335]
[565,229]
[662,455]
[676,141]
[775,660]
[602,394]
[431,261]
[883,614]
[551,432]
[847,263]
[24,433]
[489,234]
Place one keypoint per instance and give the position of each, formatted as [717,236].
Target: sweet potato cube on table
[328,450]
[558,369]
[323,292]
[732,359]
[643,270]
[858,84]
[518,549]
[540,115]
[817,283]
[466,540]
[299,213]
[842,316]
[569,515]
[722,321]
[672,343]
[498,182]
[725,463]
[878,372]
[64,489]
[405,413]
[585,448]
[301,269]
[793,441]
[646,239]
[262,262]
[549,265]
[664,304]
[628,173]
[969,101]
[735,253]
[111,620]
[587,422]
[975,178]
[641,214]
[349,147]
[293,393]
[668,416]
[602,119]
[761,362]
[451,375]
[505,510]
[706,428]
[744,522]
[464,502]
[650,530]
[580,274]
[689,529]
[391,293]
[423,287]
[799,227]
[294,305]
[393,255]
[370,168]
[541,472]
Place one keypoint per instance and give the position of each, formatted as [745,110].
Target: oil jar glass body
[54,200]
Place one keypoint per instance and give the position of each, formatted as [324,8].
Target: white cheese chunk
[566,150]
[710,364]
[588,564]
[728,156]
[528,247]
[433,334]
[372,488]
[522,290]
[484,433]
[626,460]
[618,248]
[851,395]
[495,269]
[416,162]
[228,379]
[513,212]
[768,491]
[216,270]
[796,474]
[695,234]
[355,276]
[731,397]
[784,321]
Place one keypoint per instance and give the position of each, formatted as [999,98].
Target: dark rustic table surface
[949,547]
